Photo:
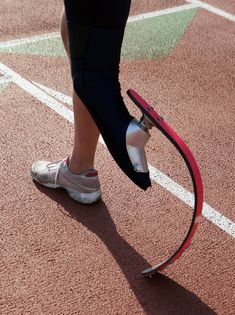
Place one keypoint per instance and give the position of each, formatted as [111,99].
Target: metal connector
[137,136]
[145,123]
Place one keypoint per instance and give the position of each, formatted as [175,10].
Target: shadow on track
[158,295]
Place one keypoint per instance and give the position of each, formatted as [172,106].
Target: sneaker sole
[84,198]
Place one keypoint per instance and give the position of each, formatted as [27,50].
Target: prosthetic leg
[150,119]
[96,31]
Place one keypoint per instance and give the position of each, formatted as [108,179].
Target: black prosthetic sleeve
[96,31]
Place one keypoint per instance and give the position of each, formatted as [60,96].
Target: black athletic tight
[100,13]
[96,29]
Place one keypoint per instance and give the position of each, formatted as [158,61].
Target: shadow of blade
[157,295]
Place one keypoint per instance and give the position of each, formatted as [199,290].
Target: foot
[84,188]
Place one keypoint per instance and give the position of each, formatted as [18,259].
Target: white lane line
[36,92]
[4,80]
[62,98]
[27,40]
[57,95]
[180,192]
[187,197]
[162,12]
[192,4]
[148,15]
[213,9]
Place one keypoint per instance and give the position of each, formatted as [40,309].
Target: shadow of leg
[158,295]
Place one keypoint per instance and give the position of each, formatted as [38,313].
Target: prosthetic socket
[95,57]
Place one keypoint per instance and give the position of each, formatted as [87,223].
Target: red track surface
[59,257]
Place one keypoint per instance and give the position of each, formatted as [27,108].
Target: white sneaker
[84,188]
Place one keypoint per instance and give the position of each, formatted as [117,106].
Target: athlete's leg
[96,31]
[86,133]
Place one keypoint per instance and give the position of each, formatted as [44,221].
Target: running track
[58,257]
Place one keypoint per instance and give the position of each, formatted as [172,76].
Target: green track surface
[144,39]
[155,37]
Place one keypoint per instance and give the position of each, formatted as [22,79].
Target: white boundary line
[192,4]
[148,15]
[213,9]
[37,93]
[177,190]
[187,197]
[57,95]
[4,80]
[27,40]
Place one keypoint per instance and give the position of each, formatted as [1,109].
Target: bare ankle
[77,167]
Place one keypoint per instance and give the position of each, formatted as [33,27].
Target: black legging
[100,13]
[96,29]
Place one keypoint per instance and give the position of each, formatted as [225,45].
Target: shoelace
[54,164]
